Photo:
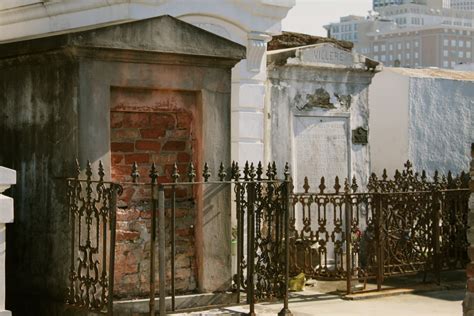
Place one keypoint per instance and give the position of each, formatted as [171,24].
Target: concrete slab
[437,303]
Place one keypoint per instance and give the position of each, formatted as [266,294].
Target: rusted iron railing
[261,203]
[401,226]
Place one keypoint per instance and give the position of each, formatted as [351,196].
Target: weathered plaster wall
[7,179]
[468,303]
[441,113]
[97,79]
[287,90]
[56,106]
[419,117]
[388,122]
[38,132]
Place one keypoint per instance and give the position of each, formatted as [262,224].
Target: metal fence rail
[261,203]
[401,226]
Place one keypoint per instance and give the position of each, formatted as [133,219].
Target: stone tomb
[152,90]
[318,108]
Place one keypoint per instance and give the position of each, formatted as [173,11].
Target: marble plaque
[320,150]
[326,54]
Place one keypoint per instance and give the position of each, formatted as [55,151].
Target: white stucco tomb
[422,115]
[317,100]
[7,178]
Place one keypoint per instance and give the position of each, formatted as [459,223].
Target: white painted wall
[7,178]
[425,116]
[441,116]
[288,86]
[388,121]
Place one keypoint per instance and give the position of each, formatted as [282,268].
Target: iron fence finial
[175,175]
[222,173]
[135,174]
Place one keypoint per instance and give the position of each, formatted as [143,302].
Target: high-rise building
[382,3]
[377,4]
[411,35]
[462,4]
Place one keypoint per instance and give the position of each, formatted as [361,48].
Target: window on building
[376,57]
[390,57]
[408,55]
[445,53]
[468,54]
[416,54]
[461,54]
[445,64]
[461,43]
[383,58]
[453,64]
[382,47]
[399,45]
[390,47]
[445,42]
[468,44]
[376,48]
[416,43]
[453,43]
[407,45]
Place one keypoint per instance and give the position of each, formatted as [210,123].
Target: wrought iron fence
[91,207]
[261,203]
[404,225]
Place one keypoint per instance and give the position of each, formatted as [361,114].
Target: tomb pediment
[322,55]
[163,34]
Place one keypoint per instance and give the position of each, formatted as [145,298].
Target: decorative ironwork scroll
[403,225]
[91,207]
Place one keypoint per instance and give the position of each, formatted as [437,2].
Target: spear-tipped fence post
[286,310]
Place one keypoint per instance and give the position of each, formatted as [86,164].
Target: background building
[411,34]
[462,4]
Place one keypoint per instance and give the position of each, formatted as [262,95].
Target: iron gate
[261,203]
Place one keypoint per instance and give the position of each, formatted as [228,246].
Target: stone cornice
[38,19]
[76,53]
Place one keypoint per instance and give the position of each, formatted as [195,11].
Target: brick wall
[468,304]
[163,137]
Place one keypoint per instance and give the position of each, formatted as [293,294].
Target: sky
[309,16]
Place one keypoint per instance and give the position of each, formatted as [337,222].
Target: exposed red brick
[184,157]
[127,194]
[153,132]
[184,119]
[174,145]
[148,145]
[165,158]
[470,250]
[116,158]
[470,270]
[145,214]
[122,147]
[121,170]
[124,134]
[128,215]
[179,133]
[470,285]
[116,119]
[127,235]
[183,232]
[163,120]
[136,119]
[138,158]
